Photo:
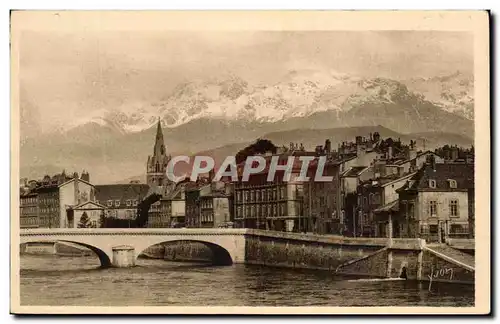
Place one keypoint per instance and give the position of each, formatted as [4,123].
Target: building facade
[321,201]
[209,205]
[46,203]
[29,214]
[169,211]
[87,215]
[273,205]
[121,200]
[435,203]
[349,203]
[376,195]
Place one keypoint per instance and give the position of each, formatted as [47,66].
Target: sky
[67,75]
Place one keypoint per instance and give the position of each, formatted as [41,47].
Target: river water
[78,281]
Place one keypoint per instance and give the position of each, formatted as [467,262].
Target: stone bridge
[121,247]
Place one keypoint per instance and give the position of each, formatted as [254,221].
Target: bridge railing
[132,231]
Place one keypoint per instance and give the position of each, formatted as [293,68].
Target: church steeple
[159,148]
[157,163]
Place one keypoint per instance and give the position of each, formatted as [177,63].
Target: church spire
[157,163]
[159,148]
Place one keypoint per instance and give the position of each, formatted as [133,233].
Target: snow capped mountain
[300,93]
[453,93]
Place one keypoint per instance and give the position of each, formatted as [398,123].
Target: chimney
[183,192]
[328,146]
[85,176]
[360,150]
[432,162]
[389,152]
[454,153]
[412,152]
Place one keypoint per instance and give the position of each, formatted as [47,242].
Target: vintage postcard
[285,162]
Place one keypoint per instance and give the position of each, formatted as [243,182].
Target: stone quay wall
[372,257]
[306,251]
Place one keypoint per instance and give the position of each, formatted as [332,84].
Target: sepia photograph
[175,162]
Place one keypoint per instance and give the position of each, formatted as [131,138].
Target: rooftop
[354,171]
[121,191]
[441,173]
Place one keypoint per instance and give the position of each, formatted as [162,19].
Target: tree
[143,210]
[102,219]
[84,221]
[259,147]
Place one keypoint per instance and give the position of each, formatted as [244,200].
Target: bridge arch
[104,258]
[220,255]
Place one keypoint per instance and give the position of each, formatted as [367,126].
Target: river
[77,281]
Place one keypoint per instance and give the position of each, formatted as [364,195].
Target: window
[452,183]
[459,229]
[433,229]
[432,183]
[117,203]
[404,208]
[433,208]
[129,203]
[453,208]
[424,229]
[110,203]
[238,196]
[411,210]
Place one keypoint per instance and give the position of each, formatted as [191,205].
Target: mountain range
[225,114]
